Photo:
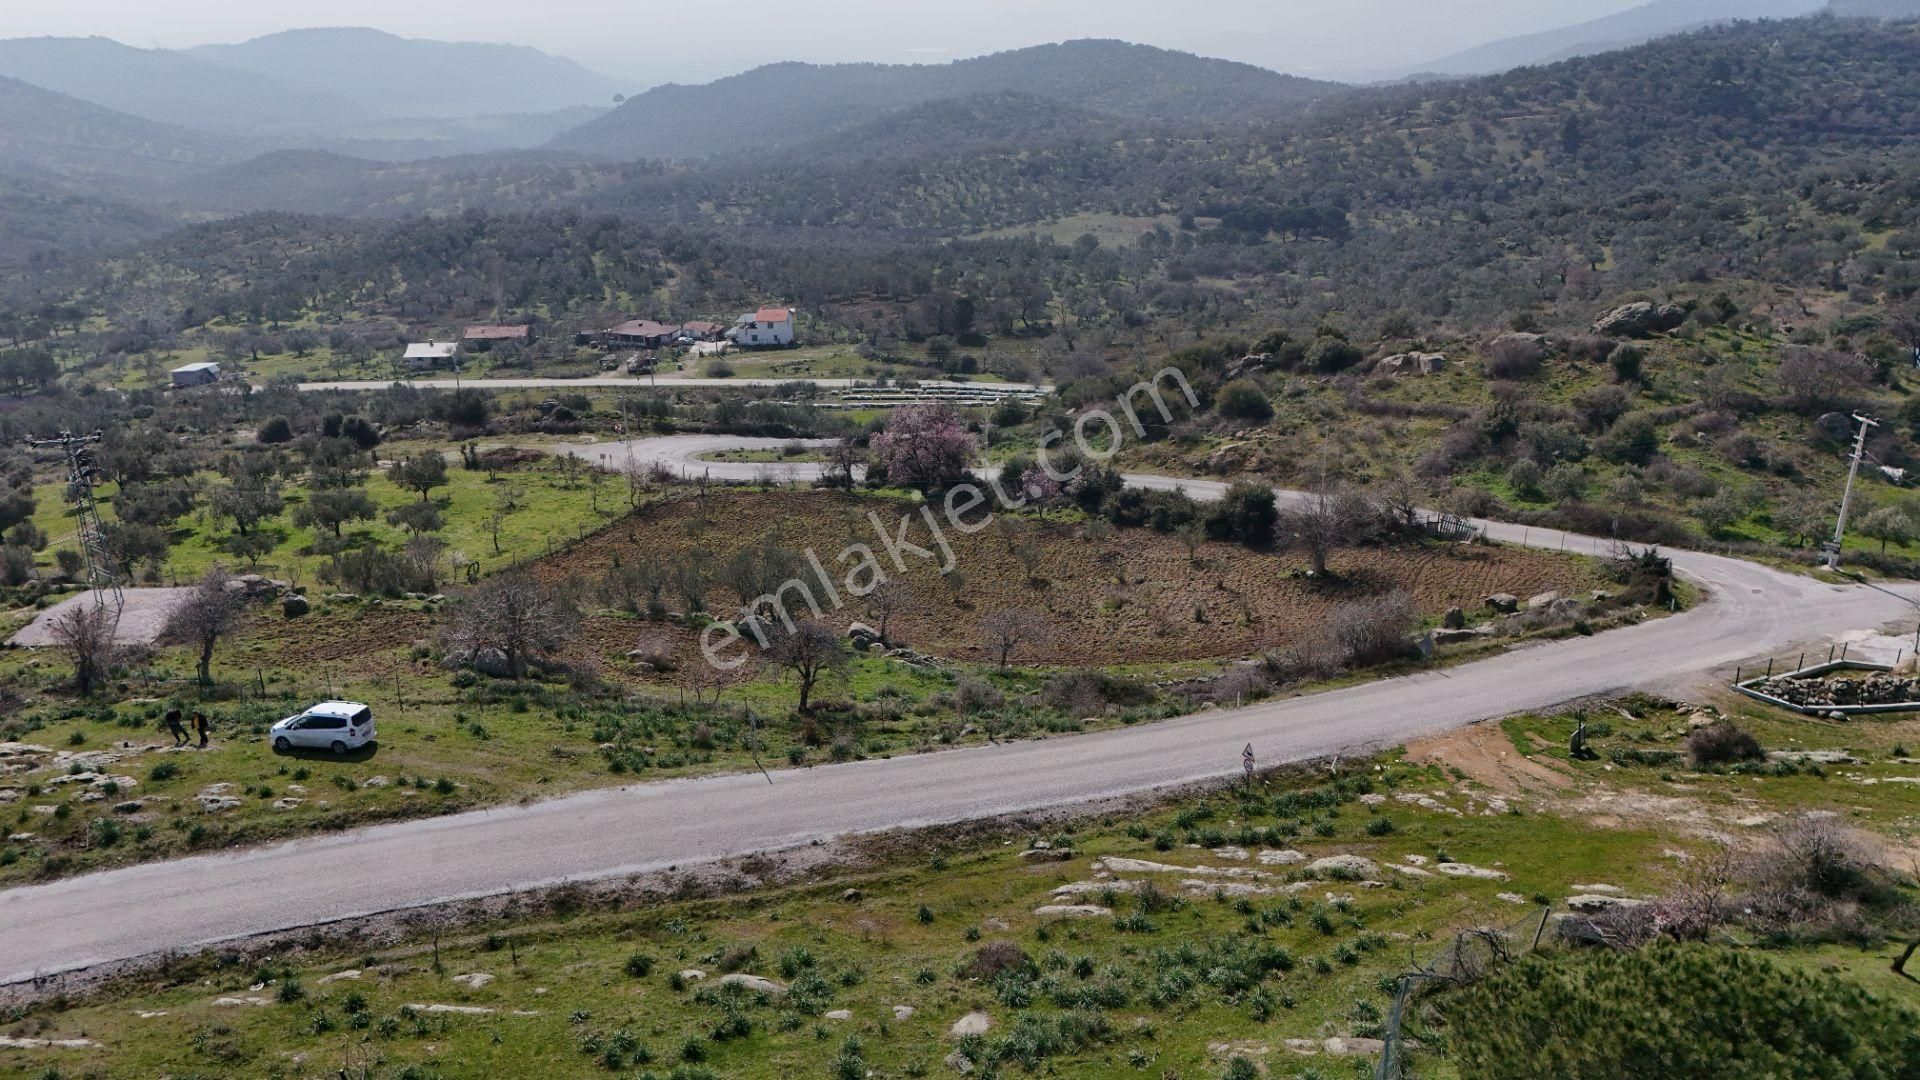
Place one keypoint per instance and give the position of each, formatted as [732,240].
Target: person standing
[174,727]
[200,727]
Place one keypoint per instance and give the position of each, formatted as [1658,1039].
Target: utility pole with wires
[103,580]
[1832,547]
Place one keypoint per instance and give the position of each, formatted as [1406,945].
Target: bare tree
[843,457]
[809,651]
[86,633]
[515,616]
[213,609]
[1006,630]
[1322,521]
[887,599]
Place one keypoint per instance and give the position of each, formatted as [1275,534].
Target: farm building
[483,338]
[639,334]
[701,331]
[767,328]
[195,374]
[429,355]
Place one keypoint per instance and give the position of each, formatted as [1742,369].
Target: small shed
[483,338]
[199,374]
[428,355]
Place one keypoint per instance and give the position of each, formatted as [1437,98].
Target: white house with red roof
[768,328]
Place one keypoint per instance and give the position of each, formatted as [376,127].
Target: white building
[196,374]
[770,327]
[428,355]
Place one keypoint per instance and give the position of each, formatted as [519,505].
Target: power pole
[1846,497]
[103,579]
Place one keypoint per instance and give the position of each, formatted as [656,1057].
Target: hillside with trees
[788,104]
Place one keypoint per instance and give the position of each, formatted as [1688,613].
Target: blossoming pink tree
[924,446]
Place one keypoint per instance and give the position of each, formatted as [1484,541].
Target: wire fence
[1465,958]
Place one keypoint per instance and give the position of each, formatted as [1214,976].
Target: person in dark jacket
[200,727]
[175,728]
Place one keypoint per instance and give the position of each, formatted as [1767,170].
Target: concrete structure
[195,374]
[768,328]
[431,355]
[639,334]
[483,338]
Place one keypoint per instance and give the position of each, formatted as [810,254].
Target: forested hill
[53,136]
[1752,156]
[789,104]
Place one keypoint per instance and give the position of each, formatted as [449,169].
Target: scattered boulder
[755,983]
[1349,1046]
[293,605]
[1468,870]
[1522,346]
[837,1014]
[473,980]
[1411,363]
[1639,319]
[1505,603]
[1348,867]
[974,1023]
[1454,619]
[339,976]
[1592,903]
[1046,854]
[851,896]
[1539,601]
[1072,911]
[692,975]
[902,1012]
[958,1062]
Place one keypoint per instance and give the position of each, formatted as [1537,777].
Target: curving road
[193,902]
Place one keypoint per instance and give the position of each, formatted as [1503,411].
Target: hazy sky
[650,42]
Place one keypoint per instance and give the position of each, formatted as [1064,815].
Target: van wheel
[338,747]
[281,745]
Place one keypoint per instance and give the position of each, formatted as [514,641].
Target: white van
[338,726]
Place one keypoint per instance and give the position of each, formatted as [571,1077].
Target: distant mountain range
[53,137]
[1627,28]
[789,104]
[408,77]
[354,91]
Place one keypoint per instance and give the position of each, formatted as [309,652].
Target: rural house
[700,331]
[483,338]
[430,355]
[639,334]
[770,327]
[199,374]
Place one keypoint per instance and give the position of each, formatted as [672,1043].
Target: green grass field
[872,966]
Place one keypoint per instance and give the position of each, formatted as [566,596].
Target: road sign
[1246,761]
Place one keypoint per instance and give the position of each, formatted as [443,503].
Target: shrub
[639,965]
[997,956]
[1675,1011]
[1242,399]
[1721,743]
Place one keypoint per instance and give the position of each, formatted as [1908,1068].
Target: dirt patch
[1485,755]
[345,632]
[1106,596]
[143,615]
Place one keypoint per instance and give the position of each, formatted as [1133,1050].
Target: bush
[1722,743]
[275,430]
[1242,399]
[1676,1011]
[995,957]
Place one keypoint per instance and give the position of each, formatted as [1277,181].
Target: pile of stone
[1879,688]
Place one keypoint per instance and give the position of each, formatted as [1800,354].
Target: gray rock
[1343,866]
[1072,911]
[754,983]
[1541,600]
[1639,319]
[1529,346]
[1454,619]
[294,606]
[974,1023]
[1506,603]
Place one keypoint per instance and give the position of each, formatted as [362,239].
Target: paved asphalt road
[635,382]
[192,902]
